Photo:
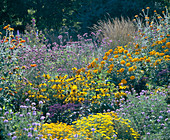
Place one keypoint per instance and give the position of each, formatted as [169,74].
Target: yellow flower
[168,44]
[132,77]
[116,56]
[128,64]
[123,81]
[130,69]
[102,62]
[111,59]
[125,51]
[128,54]
[121,70]
[124,57]
[105,58]
[122,62]
[148,60]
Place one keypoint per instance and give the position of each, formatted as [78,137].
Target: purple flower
[27,100]
[42,118]
[37,138]
[5,121]
[162,124]
[148,133]
[32,128]
[143,113]
[147,117]
[158,120]
[34,113]
[14,137]
[40,102]
[76,135]
[21,115]
[29,134]
[33,103]
[9,134]
[48,114]
[160,117]
[114,135]
[93,129]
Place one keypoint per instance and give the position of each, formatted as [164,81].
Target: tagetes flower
[124,81]
[33,65]
[132,77]
[6,27]
[121,70]
[111,59]
[102,62]
[22,41]
[116,56]
[128,64]
[105,58]
[130,69]
[1,89]
[168,44]
[122,62]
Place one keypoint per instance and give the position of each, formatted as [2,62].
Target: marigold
[105,58]
[111,59]
[168,44]
[116,56]
[128,54]
[128,64]
[132,77]
[124,81]
[148,60]
[125,51]
[121,70]
[130,69]
[33,65]
[102,62]
[122,62]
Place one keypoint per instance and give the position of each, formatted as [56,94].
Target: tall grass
[118,31]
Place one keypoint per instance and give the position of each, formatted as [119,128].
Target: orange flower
[6,27]
[129,55]
[130,69]
[33,65]
[122,62]
[132,77]
[123,81]
[116,56]
[12,47]
[111,59]
[168,44]
[125,51]
[105,58]
[22,41]
[1,89]
[121,70]
[96,59]
[148,60]
[102,62]
[110,50]
[128,64]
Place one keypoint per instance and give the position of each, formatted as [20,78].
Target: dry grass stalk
[120,31]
